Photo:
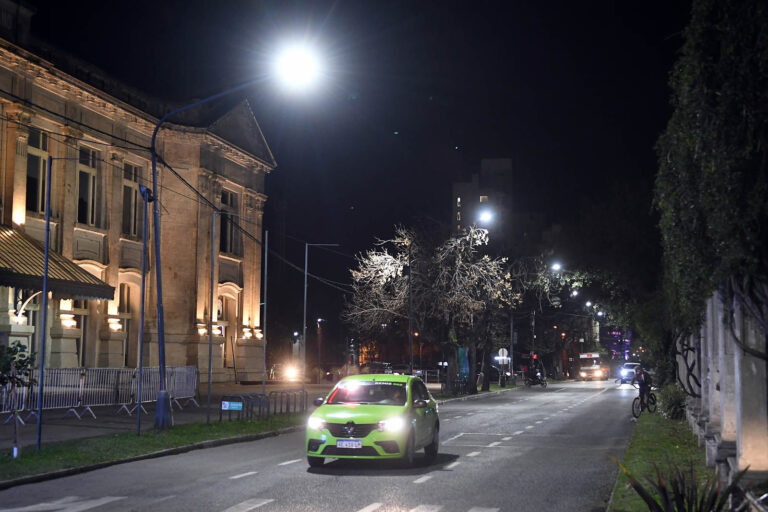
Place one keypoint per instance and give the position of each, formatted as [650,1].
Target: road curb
[7,484]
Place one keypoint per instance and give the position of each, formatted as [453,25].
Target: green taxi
[374,416]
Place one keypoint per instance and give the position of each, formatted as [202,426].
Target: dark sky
[574,92]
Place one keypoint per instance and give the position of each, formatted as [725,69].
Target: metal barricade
[257,406]
[63,388]
[288,400]
[13,401]
[182,384]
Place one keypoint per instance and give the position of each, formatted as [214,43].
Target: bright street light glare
[589,304]
[556,267]
[297,67]
[485,217]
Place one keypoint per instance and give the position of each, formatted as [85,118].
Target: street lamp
[485,217]
[293,68]
[304,336]
[556,267]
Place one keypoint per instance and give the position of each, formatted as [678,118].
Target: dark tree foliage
[712,181]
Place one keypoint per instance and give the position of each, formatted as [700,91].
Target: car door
[424,416]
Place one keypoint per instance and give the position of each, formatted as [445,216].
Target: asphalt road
[523,450]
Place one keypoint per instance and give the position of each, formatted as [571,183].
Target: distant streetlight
[556,267]
[588,304]
[296,69]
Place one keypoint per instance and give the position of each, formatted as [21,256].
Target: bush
[672,398]
[683,491]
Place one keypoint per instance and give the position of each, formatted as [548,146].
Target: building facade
[100,161]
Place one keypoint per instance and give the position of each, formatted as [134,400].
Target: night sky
[416,93]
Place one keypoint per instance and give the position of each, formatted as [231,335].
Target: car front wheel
[409,452]
[431,449]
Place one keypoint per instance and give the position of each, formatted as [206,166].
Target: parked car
[627,372]
[376,367]
[374,416]
[401,369]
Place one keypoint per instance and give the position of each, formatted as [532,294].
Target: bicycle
[639,405]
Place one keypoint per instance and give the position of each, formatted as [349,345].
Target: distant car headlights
[394,424]
[315,423]
[582,374]
[623,372]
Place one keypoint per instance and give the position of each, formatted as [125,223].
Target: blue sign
[231,406]
[463,363]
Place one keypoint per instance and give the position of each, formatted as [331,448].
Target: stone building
[97,132]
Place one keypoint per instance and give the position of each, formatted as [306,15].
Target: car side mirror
[420,404]
[319,401]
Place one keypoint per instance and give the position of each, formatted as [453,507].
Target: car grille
[388,446]
[350,429]
[365,451]
[314,444]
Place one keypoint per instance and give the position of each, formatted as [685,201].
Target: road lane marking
[289,462]
[482,509]
[545,419]
[507,438]
[69,503]
[426,508]
[371,507]
[518,432]
[422,479]
[473,454]
[454,437]
[495,443]
[242,475]
[452,465]
[529,427]
[539,422]
[247,505]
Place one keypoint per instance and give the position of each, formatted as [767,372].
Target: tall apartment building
[97,131]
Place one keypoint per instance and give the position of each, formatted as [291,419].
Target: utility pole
[410,307]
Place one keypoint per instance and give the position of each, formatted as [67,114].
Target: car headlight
[623,372]
[315,423]
[583,374]
[394,424]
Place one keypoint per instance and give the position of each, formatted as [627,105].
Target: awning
[22,264]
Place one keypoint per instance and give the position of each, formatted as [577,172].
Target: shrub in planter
[672,398]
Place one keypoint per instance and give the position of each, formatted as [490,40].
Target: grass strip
[97,450]
[660,441]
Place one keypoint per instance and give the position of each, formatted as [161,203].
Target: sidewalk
[58,427]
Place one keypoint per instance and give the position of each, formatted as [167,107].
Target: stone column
[63,351]
[726,437]
[751,401]
[16,165]
[68,192]
[218,372]
[250,355]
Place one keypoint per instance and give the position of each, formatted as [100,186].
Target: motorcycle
[538,379]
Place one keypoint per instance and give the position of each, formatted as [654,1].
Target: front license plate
[349,443]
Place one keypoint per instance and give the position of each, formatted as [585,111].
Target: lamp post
[296,67]
[304,325]
[148,198]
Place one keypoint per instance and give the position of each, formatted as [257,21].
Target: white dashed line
[518,432]
[452,465]
[426,508]
[248,505]
[473,454]
[529,427]
[545,419]
[371,507]
[242,475]
[506,438]
[422,479]
[539,422]
[454,437]
[481,509]
[289,462]
[495,443]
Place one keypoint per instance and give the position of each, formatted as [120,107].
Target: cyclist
[643,380]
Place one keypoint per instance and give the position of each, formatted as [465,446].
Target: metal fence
[78,390]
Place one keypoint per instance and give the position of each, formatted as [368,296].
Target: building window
[458,202]
[230,238]
[124,308]
[89,188]
[37,159]
[133,212]
[483,199]
[458,215]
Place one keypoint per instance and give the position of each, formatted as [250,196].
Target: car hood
[358,413]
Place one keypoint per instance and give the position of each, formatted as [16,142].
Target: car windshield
[369,392]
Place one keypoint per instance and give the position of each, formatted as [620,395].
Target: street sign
[503,352]
[231,406]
